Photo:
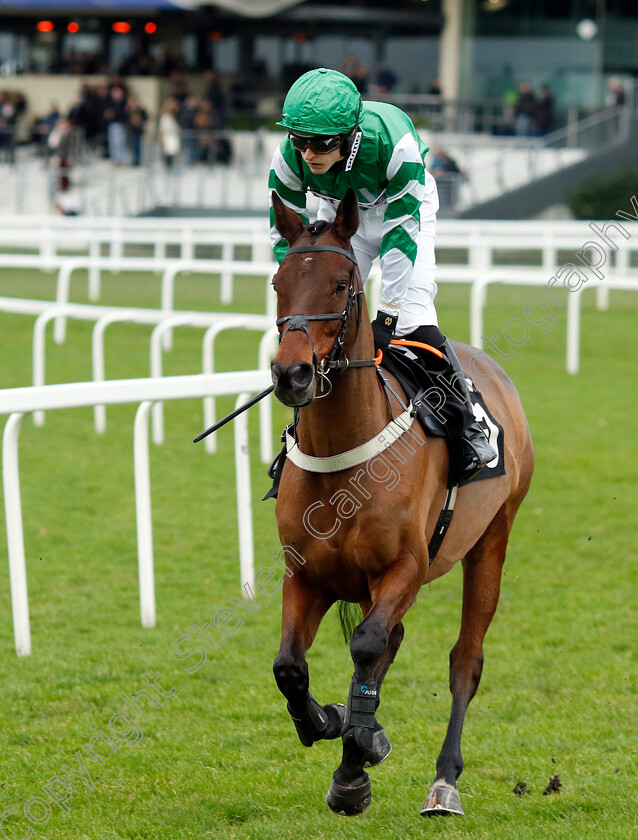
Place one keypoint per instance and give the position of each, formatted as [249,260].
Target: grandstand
[238,58]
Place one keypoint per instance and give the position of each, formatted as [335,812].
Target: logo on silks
[369,692]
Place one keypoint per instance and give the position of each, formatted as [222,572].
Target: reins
[336,358]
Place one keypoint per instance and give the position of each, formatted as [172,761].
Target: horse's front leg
[373,648]
[304,605]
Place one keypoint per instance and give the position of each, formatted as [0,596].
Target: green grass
[220,758]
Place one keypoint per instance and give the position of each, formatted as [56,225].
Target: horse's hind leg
[303,608]
[481,587]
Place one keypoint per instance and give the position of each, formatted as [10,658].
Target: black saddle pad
[423,388]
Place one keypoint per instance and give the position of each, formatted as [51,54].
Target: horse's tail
[350,616]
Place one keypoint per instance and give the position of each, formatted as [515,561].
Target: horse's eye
[341,287]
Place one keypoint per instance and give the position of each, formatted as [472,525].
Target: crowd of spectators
[111,119]
[383,80]
[529,113]
[195,124]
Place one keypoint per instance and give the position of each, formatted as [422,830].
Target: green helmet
[322,102]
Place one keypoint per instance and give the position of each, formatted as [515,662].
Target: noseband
[300,322]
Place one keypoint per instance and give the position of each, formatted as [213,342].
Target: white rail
[169,268]
[104,316]
[18,401]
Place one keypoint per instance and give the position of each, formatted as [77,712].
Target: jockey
[336,141]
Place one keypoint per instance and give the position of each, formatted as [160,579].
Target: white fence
[214,323]
[478,252]
[18,401]
[476,256]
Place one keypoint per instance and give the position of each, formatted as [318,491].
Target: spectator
[102,100]
[8,120]
[213,146]
[136,117]
[179,89]
[525,110]
[214,92]
[349,65]
[510,100]
[115,116]
[544,113]
[386,79]
[356,71]
[41,128]
[186,119]
[203,125]
[62,143]
[87,112]
[435,108]
[448,177]
[616,94]
[170,132]
[442,163]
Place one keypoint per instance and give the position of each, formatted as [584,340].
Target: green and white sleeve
[401,223]
[287,183]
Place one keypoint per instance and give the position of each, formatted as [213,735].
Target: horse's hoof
[349,801]
[443,799]
[381,749]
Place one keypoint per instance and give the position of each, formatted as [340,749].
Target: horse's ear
[346,221]
[287,221]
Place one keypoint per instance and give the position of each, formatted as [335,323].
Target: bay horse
[346,538]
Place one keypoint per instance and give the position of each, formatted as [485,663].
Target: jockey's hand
[383,328]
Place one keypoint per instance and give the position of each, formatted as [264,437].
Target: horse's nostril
[300,375]
[275,371]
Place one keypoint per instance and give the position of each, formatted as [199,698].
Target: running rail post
[244,503]
[143,514]
[573,330]
[15,536]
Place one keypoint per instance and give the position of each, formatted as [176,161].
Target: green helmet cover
[322,102]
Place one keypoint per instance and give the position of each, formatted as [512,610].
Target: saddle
[434,404]
[424,386]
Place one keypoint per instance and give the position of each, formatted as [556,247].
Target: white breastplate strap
[353,457]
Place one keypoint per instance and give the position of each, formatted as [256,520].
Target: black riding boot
[476,451]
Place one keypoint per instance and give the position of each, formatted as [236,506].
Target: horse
[346,539]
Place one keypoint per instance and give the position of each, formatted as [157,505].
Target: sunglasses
[318,143]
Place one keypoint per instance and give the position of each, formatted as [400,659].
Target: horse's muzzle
[294,384]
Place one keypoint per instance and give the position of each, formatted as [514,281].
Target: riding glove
[383,328]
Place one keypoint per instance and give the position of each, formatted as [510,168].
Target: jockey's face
[320,163]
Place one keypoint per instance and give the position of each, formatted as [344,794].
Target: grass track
[220,759]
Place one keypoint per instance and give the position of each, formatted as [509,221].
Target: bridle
[335,359]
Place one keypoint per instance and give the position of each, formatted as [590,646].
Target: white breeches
[417,308]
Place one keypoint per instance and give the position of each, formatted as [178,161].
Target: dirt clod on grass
[554,786]
[521,788]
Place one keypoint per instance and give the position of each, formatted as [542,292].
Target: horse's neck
[354,412]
